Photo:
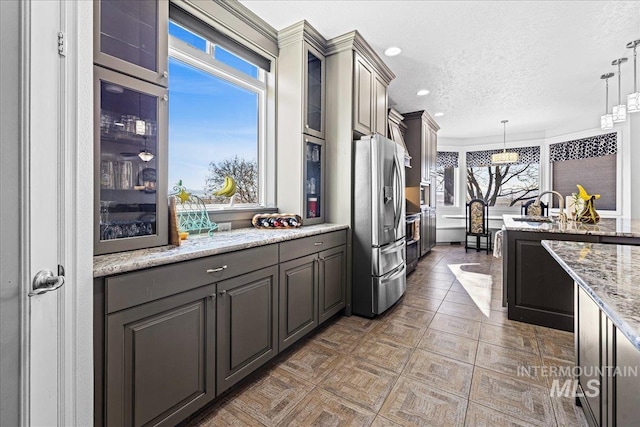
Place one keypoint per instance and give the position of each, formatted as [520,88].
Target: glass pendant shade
[633,102]
[606,122]
[506,156]
[146,156]
[619,113]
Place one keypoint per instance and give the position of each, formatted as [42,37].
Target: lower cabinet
[608,362]
[170,339]
[247,334]
[160,359]
[332,281]
[298,299]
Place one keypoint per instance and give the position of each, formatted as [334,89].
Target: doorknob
[45,281]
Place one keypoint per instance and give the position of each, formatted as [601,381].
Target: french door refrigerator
[379,253]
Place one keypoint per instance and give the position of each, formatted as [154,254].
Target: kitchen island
[607,327]
[536,289]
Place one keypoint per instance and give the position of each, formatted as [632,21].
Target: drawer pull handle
[318,243]
[215,270]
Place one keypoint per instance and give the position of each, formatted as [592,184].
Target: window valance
[593,146]
[447,159]
[483,158]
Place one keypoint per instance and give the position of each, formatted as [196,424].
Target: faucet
[562,215]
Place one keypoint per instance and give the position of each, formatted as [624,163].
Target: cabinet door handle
[213,296]
[215,270]
[222,292]
[318,243]
[165,98]
[321,259]
[165,74]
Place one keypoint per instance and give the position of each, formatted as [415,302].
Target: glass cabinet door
[131,36]
[130,164]
[314,93]
[314,181]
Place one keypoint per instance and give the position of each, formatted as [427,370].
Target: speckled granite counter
[610,274]
[201,246]
[619,227]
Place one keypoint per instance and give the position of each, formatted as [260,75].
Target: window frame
[205,62]
[456,189]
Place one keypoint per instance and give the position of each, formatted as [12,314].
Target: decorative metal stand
[192,212]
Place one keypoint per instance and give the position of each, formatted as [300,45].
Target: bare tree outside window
[503,185]
[244,172]
[445,186]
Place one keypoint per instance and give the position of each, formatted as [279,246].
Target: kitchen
[290,186]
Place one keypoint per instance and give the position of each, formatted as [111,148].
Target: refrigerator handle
[399,198]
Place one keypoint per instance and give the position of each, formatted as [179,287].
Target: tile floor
[445,355]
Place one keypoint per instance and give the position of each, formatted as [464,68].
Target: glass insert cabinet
[130,163]
[314,92]
[313,201]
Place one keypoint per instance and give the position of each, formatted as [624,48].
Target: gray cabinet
[130,210]
[298,299]
[314,91]
[131,37]
[432,226]
[425,232]
[370,99]
[421,140]
[160,359]
[608,363]
[300,184]
[332,281]
[247,325]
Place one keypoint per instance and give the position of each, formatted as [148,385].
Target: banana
[584,195]
[225,187]
[228,188]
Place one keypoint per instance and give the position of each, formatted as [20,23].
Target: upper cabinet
[301,122]
[131,37]
[370,98]
[314,95]
[422,140]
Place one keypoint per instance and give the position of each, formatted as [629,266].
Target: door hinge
[62,47]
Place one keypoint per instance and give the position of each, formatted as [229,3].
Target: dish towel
[497,244]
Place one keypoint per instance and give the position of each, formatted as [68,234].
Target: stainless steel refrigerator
[379,252]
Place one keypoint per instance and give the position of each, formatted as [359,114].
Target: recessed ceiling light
[439,114]
[422,92]
[393,51]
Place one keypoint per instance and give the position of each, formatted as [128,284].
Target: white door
[57,99]
[45,212]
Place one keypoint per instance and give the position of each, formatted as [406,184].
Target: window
[446,167]
[216,119]
[590,162]
[503,185]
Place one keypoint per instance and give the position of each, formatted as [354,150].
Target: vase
[588,215]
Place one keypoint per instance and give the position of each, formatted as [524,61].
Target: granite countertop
[202,246]
[610,274]
[621,227]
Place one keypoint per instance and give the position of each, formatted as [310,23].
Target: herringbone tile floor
[445,355]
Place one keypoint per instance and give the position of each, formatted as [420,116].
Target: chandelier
[506,156]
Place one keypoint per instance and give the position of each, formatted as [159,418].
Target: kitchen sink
[533,218]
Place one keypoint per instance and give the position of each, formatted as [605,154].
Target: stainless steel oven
[412,236]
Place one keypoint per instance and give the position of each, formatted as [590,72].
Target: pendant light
[606,120]
[620,110]
[145,155]
[506,156]
[633,99]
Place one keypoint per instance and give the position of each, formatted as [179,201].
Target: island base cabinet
[332,281]
[589,352]
[160,358]
[298,297]
[627,384]
[247,322]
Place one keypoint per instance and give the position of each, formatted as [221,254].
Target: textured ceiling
[535,63]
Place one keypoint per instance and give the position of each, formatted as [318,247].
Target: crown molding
[300,31]
[355,41]
[422,115]
[248,17]
[395,115]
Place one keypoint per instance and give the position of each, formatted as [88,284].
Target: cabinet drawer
[130,289]
[309,245]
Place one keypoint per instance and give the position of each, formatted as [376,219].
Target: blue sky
[209,119]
